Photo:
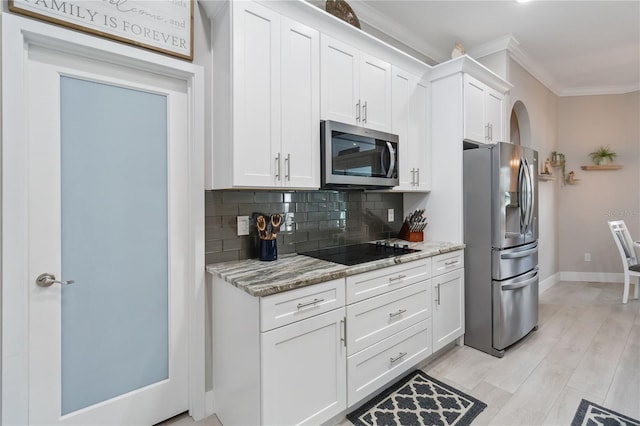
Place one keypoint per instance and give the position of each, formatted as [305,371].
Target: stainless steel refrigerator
[501,255]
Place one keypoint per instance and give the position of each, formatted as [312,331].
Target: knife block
[412,237]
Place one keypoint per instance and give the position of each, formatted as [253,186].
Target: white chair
[628,254]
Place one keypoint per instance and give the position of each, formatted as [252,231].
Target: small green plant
[603,155]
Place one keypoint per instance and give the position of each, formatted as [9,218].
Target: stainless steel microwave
[356,157]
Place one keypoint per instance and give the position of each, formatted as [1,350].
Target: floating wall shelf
[545,177]
[602,167]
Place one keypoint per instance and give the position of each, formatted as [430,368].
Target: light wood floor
[587,346]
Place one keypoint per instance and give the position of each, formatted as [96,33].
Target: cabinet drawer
[377,318]
[376,366]
[295,305]
[447,262]
[374,283]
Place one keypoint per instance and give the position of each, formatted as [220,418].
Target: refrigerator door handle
[521,196]
[523,253]
[516,284]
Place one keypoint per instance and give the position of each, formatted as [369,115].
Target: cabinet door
[340,81]
[494,110]
[402,85]
[304,371]
[256,91]
[300,95]
[375,93]
[448,308]
[419,132]
[474,118]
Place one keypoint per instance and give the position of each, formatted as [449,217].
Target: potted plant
[603,155]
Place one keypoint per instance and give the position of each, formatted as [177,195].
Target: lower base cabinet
[307,355]
[304,371]
[448,308]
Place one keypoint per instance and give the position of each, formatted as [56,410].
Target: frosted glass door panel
[114,241]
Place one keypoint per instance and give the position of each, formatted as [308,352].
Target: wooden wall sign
[161,25]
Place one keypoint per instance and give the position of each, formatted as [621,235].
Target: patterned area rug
[592,414]
[418,399]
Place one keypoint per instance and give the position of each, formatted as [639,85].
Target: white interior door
[108,181]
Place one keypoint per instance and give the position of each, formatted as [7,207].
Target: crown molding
[381,22]
[603,90]
[512,46]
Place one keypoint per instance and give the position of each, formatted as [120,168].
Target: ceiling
[573,47]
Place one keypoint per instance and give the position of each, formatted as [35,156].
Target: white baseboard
[600,277]
[548,282]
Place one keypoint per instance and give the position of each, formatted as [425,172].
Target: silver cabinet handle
[486,131]
[45,280]
[399,277]
[395,314]
[398,357]
[278,166]
[343,331]
[364,112]
[358,110]
[313,302]
[438,300]
[418,176]
[287,168]
[413,176]
[491,132]
[451,263]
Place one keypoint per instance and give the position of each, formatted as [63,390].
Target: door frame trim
[18,34]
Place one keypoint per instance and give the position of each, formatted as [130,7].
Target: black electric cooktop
[360,253]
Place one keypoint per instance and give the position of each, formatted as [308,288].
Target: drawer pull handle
[399,277]
[395,314]
[313,302]
[397,358]
[451,263]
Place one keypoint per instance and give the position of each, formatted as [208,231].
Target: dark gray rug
[418,399]
[590,414]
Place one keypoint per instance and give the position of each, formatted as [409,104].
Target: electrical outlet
[243,225]
[587,257]
[390,215]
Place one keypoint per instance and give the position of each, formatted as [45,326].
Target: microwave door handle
[392,159]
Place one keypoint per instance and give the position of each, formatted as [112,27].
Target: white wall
[542,107]
[584,124]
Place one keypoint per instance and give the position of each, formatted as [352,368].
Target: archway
[520,125]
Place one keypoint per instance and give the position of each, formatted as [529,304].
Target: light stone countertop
[292,271]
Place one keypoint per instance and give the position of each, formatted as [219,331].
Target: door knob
[45,280]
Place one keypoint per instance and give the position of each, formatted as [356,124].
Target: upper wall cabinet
[356,87]
[266,90]
[483,112]
[410,121]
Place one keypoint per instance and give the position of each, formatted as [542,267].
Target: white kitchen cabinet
[448,298]
[356,87]
[410,121]
[304,371]
[266,95]
[279,359]
[483,112]
[388,325]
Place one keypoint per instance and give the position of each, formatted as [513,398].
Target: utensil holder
[268,250]
[412,237]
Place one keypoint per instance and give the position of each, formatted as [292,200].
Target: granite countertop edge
[293,271]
